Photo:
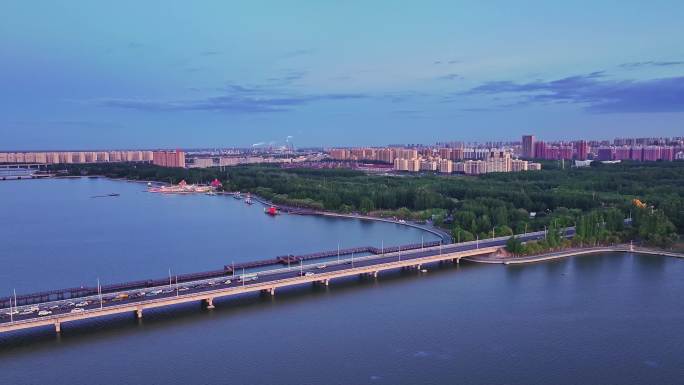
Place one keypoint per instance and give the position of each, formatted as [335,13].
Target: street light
[99,291]
[12,310]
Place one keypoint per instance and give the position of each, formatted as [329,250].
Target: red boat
[271,211]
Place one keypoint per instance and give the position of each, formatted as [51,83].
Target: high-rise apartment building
[169,158]
[528,146]
[540,150]
[582,149]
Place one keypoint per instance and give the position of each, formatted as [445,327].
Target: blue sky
[132,74]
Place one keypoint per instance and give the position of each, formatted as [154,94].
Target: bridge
[53,308]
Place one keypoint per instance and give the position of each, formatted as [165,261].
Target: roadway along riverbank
[508,260]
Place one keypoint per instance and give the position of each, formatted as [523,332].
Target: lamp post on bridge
[99,291]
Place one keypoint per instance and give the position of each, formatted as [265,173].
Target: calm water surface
[610,319]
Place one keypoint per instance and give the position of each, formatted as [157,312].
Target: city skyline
[218,76]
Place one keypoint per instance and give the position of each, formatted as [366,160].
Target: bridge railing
[81,292]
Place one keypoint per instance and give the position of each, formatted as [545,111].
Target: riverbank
[446,237]
[510,260]
[442,234]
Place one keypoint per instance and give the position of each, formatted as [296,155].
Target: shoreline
[441,234]
[574,253]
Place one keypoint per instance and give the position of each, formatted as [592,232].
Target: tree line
[595,198]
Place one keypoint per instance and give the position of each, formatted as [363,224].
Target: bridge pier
[138,313]
[209,302]
[325,282]
[271,291]
[418,266]
[58,327]
[375,274]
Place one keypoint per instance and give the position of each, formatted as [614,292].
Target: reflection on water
[604,319]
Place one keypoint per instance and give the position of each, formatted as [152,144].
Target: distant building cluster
[445,160]
[227,161]
[639,153]
[55,157]
[638,149]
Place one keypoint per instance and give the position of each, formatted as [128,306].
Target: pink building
[169,158]
[651,153]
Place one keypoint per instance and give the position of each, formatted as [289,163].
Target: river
[607,319]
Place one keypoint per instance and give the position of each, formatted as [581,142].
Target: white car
[81,304]
[322,266]
[308,274]
[228,282]
[155,292]
[43,313]
[77,310]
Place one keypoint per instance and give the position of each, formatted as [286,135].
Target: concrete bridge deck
[206,290]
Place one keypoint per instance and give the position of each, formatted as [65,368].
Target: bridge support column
[138,313]
[325,282]
[375,274]
[209,302]
[272,291]
[419,266]
[458,261]
[58,327]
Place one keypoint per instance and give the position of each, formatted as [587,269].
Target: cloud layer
[595,93]
[236,99]
[651,63]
